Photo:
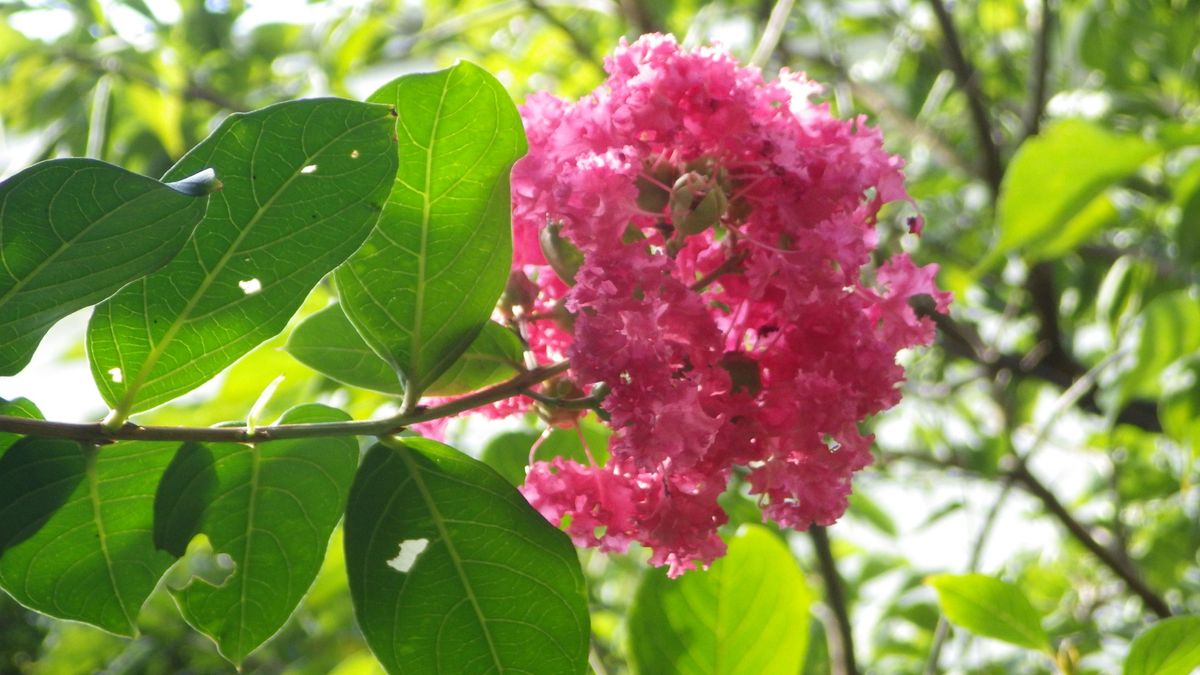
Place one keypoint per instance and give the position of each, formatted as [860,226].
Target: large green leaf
[426,281]
[748,613]
[439,545]
[304,182]
[76,528]
[271,509]
[1170,330]
[1045,201]
[990,607]
[328,343]
[1169,647]
[73,232]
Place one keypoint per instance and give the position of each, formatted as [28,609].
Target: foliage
[1044,457]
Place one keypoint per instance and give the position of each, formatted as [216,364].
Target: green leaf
[425,283]
[508,452]
[304,182]
[1056,175]
[1169,647]
[748,613]
[76,529]
[329,344]
[21,407]
[1170,330]
[990,607]
[437,545]
[271,509]
[72,233]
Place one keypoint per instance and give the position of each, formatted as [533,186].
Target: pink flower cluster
[708,259]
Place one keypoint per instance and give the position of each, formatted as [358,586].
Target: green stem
[103,433]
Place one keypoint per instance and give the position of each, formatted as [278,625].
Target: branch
[1110,560]
[1023,478]
[1039,67]
[964,73]
[580,45]
[97,434]
[843,646]
[772,33]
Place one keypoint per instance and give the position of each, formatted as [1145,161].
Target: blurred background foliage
[1049,439]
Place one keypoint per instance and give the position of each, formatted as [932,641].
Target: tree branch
[1039,67]
[843,647]
[1110,560]
[964,74]
[580,45]
[97,434]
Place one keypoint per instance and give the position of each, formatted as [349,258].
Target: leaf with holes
[329,344]
[73,232]
[1169,647]
[423,286]
[76,528]
[748,613]
[438,544]
[271,509]
[990,607]
[304,183]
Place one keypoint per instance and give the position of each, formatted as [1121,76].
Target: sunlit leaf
[748,613]
[304,182]
[73,232]
[438,545]
[1053,177]
[1169,647]
[1170,330]
[423,286]
[329,344]
[271,509]
[990,607]
[76,528]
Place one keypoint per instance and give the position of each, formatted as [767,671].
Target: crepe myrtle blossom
[699,241]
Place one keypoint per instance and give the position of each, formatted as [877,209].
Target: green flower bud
[564,258]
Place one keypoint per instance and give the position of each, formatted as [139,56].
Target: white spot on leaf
[115,374]
[250,286]
[309,169]
[410,550]
[354,154]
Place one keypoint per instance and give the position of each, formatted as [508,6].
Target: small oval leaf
[330,345]
[990,607]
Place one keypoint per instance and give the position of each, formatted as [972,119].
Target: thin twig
[964,73]
[1039,68]
[771,34]
[581,46]
[97,434]
[836,599]
[1128,574]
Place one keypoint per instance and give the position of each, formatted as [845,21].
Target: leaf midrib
[102,536]
[439,522]
[127,401]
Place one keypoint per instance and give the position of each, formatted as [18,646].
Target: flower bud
[706,214]
[520,291]
[652,184]
[564,258]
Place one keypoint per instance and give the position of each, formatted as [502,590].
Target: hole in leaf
[309,169]
[250,286]
[410,550]
[202,563]
[116,375]
[354,154]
